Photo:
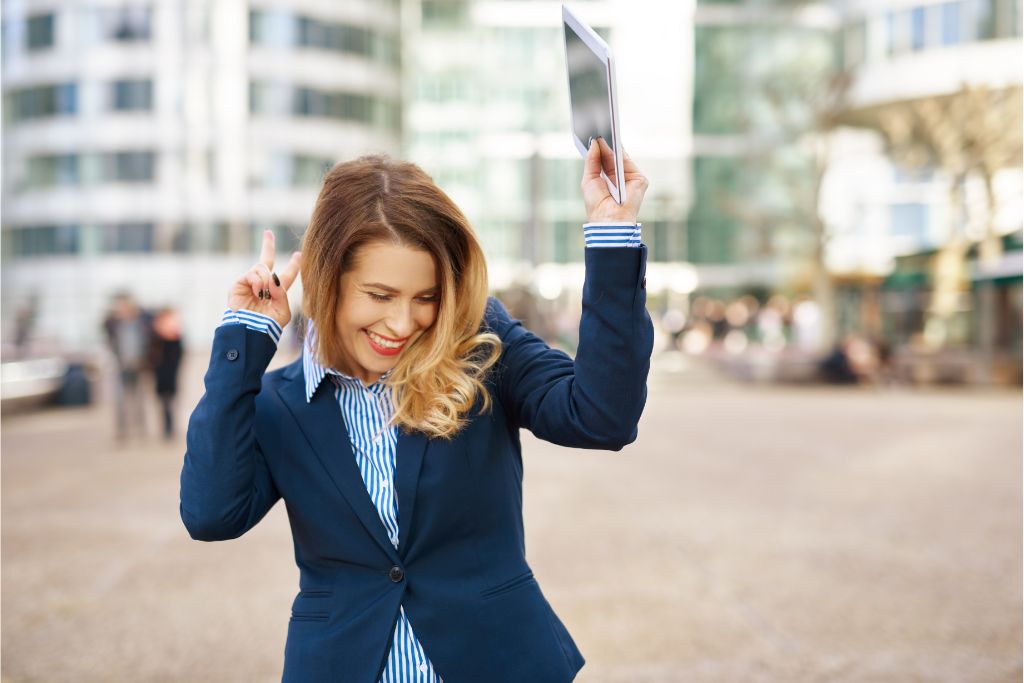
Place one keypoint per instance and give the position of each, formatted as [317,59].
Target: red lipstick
[384,351]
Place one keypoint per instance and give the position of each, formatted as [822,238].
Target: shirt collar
[315,373]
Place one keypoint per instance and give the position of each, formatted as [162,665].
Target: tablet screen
[588,92]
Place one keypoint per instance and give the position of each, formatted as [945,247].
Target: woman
[394,439]
[165,359]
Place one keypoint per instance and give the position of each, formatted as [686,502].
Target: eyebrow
[386,288]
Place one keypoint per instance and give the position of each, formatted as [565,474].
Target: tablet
[592,98]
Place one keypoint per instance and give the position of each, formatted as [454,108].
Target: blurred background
[834,226]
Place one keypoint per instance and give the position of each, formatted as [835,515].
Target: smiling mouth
[384,345]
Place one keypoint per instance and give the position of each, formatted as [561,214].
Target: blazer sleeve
[596,400]
[226,487]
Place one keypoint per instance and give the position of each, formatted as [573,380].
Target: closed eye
[429,299]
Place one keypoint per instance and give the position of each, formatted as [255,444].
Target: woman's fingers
[290,271]
[267,250]
[607,159]
[255,282]
[592,163]
[628,165]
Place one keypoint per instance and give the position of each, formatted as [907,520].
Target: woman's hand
[600,204]
[260,290]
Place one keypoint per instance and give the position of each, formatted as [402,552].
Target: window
[339,105]
[126,24]
[951,23]
[277,99]
[1007,18]
[917,28]
[43,101]
[281,29]
[181,240]
[899,30]
[984,19]
[220,237]
[44,240]
[52,169]
[131,95]
[131,167]
[309,171]
[127,237]
[39,32]
[271,28]
[444,13]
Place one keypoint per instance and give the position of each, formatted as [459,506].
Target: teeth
[384,342]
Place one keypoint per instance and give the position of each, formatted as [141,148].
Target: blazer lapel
[324,427]
[409,457]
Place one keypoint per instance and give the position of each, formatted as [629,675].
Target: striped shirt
[367,411]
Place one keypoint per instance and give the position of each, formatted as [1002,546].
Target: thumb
[592,164]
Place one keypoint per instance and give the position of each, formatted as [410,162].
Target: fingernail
[277,281]
[266,293]
[261,294]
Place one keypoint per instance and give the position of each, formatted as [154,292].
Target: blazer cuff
[253,321]
[611,234]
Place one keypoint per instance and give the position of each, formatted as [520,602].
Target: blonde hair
[441,375]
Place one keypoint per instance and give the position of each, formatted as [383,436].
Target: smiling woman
[416,431]
[387,253]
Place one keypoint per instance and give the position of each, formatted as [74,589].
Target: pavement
[751,533]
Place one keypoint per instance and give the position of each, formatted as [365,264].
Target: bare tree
[974,132]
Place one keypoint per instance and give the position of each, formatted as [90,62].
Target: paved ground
[750,534]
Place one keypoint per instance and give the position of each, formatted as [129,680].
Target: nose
[400,322]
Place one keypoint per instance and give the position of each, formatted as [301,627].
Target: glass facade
[282,29]
[53,170]
[754,89]
[928,26]
[283,99]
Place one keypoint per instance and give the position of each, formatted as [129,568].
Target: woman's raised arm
[226,487]
[596,399]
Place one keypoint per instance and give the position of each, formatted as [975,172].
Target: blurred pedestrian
[128,329]
[24,323]
[673,321]
[165,358]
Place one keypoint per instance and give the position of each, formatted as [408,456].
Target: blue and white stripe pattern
[367,411]
[254,321]
[612,234]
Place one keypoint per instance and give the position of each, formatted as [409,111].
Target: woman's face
[388,299]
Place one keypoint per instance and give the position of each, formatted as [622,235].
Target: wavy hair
[440,376]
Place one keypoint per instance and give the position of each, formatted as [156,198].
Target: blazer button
[232,354]
[643,285]
[396,574]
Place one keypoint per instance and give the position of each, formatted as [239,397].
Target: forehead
[394,265]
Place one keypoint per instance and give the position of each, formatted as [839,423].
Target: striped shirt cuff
[612,234]
[254,321]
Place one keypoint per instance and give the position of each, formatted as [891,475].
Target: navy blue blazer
[460,569]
